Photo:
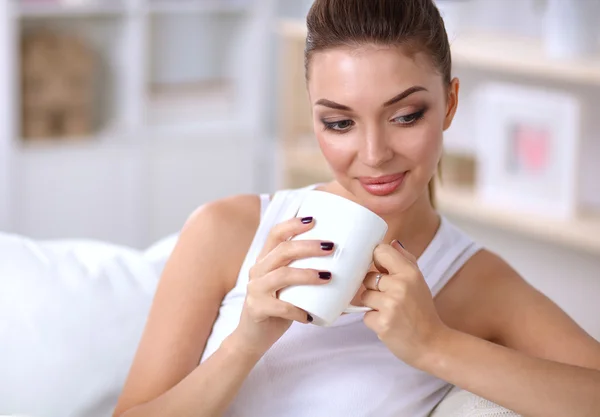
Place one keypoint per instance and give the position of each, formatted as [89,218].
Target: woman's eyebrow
[403,95]
[337,106]
[332,104]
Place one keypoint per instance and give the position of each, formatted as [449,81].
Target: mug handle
[355,309]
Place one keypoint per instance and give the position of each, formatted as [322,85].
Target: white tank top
[343,370]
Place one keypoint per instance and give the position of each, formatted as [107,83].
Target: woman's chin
[385,209]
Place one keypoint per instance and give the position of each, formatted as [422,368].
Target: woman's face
[379,115]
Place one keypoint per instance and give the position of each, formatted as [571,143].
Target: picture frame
[528,149]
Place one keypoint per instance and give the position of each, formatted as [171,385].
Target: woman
[219,342]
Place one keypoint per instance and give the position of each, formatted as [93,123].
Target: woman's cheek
[337,154]
[428,150]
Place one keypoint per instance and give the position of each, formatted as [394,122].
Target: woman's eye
[338,126]
[409,119]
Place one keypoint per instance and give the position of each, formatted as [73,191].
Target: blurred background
[119,117]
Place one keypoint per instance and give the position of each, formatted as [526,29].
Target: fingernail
[398,242]
[327,245]
[325,275]
[309,318]
[307,220]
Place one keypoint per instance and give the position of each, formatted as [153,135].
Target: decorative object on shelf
[570,28]
[528,149]
[57,86]
[458,170]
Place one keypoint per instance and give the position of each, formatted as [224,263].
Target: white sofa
[71,314]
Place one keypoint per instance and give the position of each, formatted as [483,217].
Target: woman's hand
[404,317]
[264,317]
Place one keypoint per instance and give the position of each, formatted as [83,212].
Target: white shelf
[500,53]
[195,112]
[110,135]
[148,140]
[41,9]
[580,234]
[522,56]
[203,132]
[198,6]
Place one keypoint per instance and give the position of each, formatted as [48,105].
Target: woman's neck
[414,227]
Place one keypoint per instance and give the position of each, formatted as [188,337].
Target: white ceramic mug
[356,232]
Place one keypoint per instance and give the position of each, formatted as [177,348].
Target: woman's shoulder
[228,225]
[476,293]
[234,210]
[485,271]
[239,213]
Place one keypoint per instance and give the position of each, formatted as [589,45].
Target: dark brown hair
[414,24]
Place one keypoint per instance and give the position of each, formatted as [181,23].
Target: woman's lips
[382,186]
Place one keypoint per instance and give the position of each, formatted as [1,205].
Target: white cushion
[159,252]
[71,315]
[460,403]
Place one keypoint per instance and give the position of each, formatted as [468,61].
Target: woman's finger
[287,276]
[398,246]
[284,231]
[374,299]
[383,284]
[388,259]
[288,251]
[268,307]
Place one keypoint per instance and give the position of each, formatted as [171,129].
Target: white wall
[6,119]
[571,279]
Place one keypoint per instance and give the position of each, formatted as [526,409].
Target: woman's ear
[451,102]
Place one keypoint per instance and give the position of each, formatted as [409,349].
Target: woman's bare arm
[489,299]
[165,379]
[539,373]
[529,385]
[541,363]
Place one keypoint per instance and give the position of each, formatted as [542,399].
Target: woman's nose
[375,150]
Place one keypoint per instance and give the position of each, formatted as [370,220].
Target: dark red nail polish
[327,245]
[398,242]
[309,318]
[325,275]
[307,220]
